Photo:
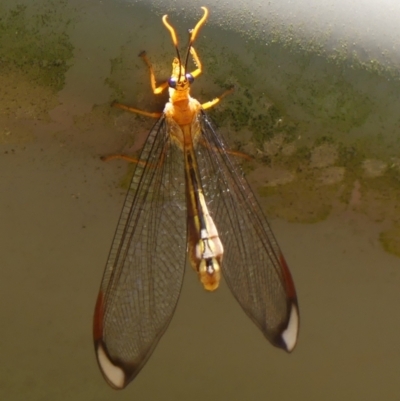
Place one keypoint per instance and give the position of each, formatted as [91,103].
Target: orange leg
[122,157]
[136,111]
[231,152]
[212,103]
[197,63]
[156,90]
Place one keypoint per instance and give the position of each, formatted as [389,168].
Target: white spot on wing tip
[114,374]
[289,335]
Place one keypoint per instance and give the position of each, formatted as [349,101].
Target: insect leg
[211,103]
[156,89]
[197,63]
[229,151]
[132,110]
[122,157]
[136,111]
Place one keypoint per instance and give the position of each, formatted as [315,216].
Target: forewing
[144,272]
[253,264]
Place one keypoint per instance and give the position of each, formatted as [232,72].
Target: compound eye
[190,78]
[172,82]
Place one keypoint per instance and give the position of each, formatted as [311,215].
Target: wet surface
[59,207]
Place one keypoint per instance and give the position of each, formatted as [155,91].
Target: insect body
[188,196]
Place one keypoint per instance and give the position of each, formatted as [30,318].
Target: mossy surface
[34,42]
[318,138]
[390,240]
[35,55]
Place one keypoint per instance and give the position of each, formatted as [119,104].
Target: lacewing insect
[188,197]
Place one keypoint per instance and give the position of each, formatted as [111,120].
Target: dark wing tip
[117,373]
[114,375]
[287,337]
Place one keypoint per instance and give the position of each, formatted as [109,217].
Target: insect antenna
[193,33]
[174,41]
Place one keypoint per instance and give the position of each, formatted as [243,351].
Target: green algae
[390,240]
[34,42]
[319,99]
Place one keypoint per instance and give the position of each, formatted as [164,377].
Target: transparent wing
[253,264]
[144,272]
